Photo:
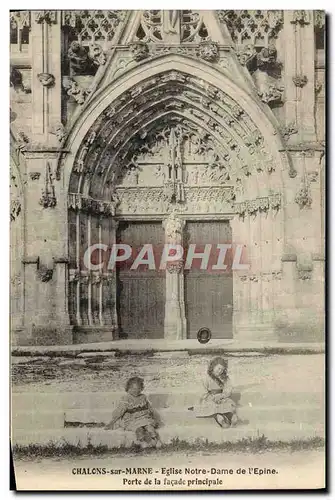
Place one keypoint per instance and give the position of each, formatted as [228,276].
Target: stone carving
[175,267]
[73,90]
[96,278]
[300,80]
[139,50]
[16,81]
[301,17]
[266,60]
[193,28]
[19,19]
[97,55]
[48,198]
[34,176]
[46,79]
[304,274]
[45,274]
[174,191]
[318,87]
[246,54]
[148,133]
[208,50]
[93,26]
[16,280]
[15,209]
[264,276]
[85,60]
[252,25]
[80,63]
[253,278]
[87,204]
[22,141]
[174,227]
[46,16]
[173,26]
[272,95]
[74,276]
[303,197]
[319,19]
[313,176]
[198,199]
[275,201]
[262,204]
[60,132]
[287,130]
[150,28]
[170,21]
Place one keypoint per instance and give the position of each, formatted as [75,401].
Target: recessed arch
[94,111]
[116,126]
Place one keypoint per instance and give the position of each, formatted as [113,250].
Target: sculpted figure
[97,55]
[174,226]
[78,59]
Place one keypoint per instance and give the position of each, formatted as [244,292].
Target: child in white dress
[216,403]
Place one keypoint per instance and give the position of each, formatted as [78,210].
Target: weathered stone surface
[172,355]
[205,141]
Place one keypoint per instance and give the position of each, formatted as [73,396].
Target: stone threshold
[175,348]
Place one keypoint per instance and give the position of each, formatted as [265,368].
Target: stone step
[47,419]
[160,399]
[184,417]
[191,434]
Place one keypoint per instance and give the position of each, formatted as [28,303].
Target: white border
[327,5]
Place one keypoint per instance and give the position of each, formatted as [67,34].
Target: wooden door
[209,293]
[141,292]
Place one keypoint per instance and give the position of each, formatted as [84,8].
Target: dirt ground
[282,373]
[273,470]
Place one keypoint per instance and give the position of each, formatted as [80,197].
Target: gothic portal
[180,127]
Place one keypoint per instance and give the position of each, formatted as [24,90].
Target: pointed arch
[255,115]
[176,93]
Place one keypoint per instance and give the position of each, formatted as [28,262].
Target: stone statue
[79,61]
[170,21]
[174,227]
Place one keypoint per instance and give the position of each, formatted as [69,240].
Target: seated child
[135,413]
[216,403]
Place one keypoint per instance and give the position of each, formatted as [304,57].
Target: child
[135,413]
[216,402]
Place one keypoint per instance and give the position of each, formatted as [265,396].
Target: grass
[247,445]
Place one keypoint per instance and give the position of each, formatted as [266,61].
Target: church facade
[141,128]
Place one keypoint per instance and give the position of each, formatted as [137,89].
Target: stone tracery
[141,123]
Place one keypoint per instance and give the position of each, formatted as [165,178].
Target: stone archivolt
[213,128]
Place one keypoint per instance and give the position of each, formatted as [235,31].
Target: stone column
[115,333]
[61,299]
[30,264]
[46,76]
[300,74]
[45,239]
[289,73]
[175,319]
